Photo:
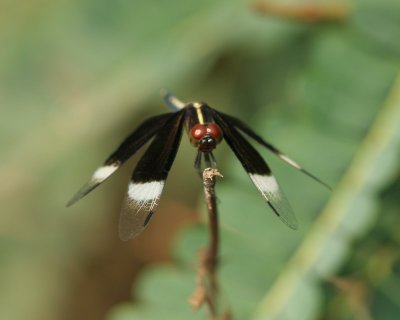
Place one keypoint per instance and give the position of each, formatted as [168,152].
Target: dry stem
[207,284]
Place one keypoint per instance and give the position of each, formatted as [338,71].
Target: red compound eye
[215,131]
[198,131]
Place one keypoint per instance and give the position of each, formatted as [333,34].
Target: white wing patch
[138,206]
[103,173]
[98,177]
[264,183]
[145,195]
[290,161]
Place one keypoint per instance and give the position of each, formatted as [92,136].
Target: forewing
[128,147]
[149,177]
[258,171]
[247,130]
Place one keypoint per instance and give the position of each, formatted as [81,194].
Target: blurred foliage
[367,285]
[74,73]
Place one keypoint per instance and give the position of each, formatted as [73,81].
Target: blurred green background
[77,76]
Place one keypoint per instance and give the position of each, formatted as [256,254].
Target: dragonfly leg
[210,160]
[197,163]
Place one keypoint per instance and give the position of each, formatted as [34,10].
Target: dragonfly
[206,128]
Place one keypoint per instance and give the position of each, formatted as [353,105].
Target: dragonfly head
[205,136]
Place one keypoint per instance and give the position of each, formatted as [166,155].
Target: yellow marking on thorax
[199,113]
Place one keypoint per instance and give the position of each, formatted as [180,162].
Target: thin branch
[211,200]
[207,284]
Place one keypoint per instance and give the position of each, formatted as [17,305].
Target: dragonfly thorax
[205,137]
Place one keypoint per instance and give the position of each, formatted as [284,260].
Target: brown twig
[207,284]
[211,200]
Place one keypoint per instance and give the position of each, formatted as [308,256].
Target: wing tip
[171,101]
[293,226]
[327,186]
[292,223]
[72,201]
[294,164]
[88,187]
[77,196]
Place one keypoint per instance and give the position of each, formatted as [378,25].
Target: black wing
[247,130]
[257,169]
[149,177]
[129,146]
